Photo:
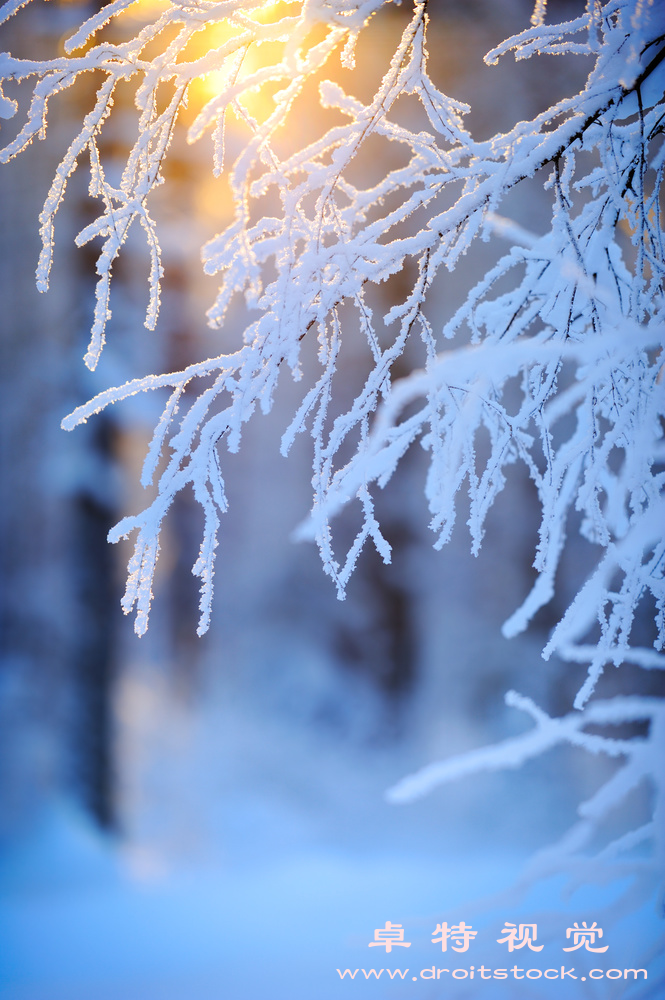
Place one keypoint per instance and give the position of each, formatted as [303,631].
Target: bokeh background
[188,819]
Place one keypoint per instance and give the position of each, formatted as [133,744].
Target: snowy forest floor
[294,895]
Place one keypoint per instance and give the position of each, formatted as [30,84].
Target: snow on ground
[82,920]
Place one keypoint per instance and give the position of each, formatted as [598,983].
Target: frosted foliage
[554,360]
[636,854]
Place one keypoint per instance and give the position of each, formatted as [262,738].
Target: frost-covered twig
[556,356]
[578,320]
[641,764]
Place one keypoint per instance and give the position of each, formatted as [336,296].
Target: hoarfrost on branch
[573,316]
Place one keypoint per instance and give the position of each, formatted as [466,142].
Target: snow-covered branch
[555,357]
[640,758]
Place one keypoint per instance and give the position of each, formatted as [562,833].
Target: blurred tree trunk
[57,602]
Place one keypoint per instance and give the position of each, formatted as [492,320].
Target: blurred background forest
[260,753]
